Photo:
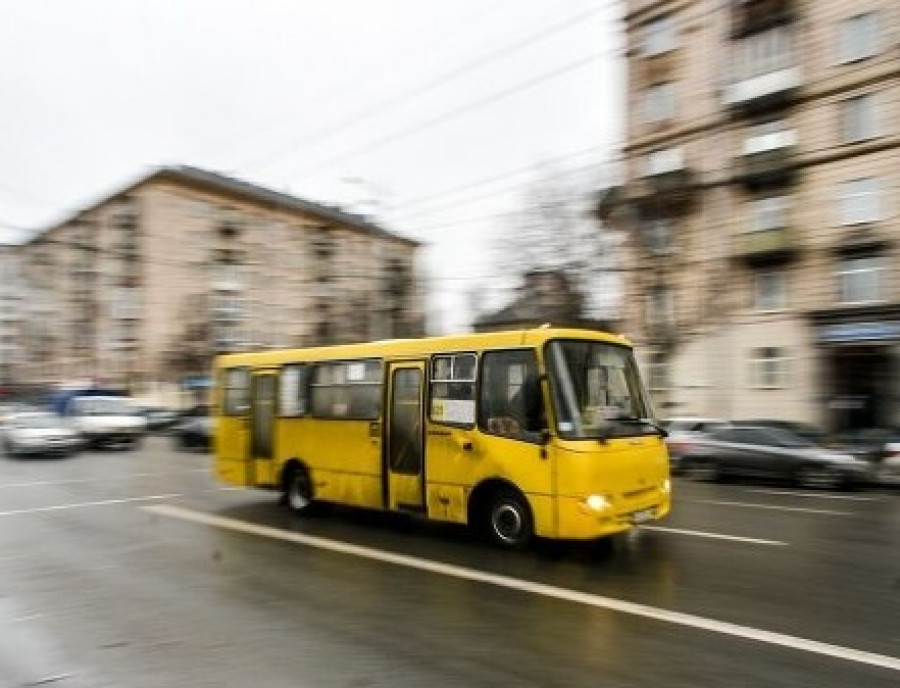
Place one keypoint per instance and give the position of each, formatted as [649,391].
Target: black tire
[298,492]
[703,469]
[508,520]
[813,477]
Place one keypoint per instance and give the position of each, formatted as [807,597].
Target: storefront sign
[860,332]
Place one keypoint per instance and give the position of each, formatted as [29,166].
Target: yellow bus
[541,432]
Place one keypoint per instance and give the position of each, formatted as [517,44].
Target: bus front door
[263,390]
[404,456]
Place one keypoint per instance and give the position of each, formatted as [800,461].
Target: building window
[659,371]
[768,367]
[660,306]
[769,213]
[659,102]
[859,201]
[859,37]
[859,279]
[769,290]
[660,36]
[659,235]
[858,118]
[765,52]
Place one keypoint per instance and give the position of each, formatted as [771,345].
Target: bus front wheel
[509,522]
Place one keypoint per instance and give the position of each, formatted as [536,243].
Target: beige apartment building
[141,289]
[760,204]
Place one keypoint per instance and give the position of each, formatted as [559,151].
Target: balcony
[777,245]
[768,160]
[770,90]
[753,16]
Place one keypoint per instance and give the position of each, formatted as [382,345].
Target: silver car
[39,434]
[762,452]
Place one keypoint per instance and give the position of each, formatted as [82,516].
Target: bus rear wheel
[509,522]
[298,493]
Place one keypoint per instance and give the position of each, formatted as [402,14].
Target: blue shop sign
[860,332]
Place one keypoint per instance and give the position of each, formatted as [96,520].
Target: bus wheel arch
[502,513]
[297,487]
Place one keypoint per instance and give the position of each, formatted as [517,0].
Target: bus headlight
[667,485]
[596,503]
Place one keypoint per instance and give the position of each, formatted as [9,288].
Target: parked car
[888,469]
[38,433]
[194,432]
[682,433]
[805,430]
[160,419]
[863,443]
[762,452]
[106,421]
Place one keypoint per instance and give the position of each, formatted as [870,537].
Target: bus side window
[510,403]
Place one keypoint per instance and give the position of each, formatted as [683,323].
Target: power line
[456,112]
[426,87]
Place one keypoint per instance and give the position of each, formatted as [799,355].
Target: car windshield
[597,390]
[102,406]
[36,420]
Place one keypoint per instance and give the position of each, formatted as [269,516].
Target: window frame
[302,397]
[523,435]
[474,382]
[660,102]
[660,36]
[760,276]
[856,41]
[768,213]
[859,122]
[847,274]
[347,384]
[229,407]
[763,378]
[870,209]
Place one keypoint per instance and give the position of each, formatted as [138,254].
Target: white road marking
[80,505]
[717,536]
[105,479]
[772,507]
[598,601]
[816,495]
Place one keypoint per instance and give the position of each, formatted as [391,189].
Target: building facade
[760,203]
[143,288]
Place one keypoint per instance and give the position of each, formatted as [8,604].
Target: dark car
[761,452]
[805,430]
[194,432]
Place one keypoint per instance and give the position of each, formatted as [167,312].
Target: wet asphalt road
[112,574]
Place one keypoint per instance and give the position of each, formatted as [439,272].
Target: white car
[888,471]
[38,433]
[106,421]
[682,433]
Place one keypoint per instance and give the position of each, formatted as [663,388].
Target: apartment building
[142,288]
[759,202]
[10,313]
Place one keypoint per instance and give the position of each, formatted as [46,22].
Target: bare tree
[555,243]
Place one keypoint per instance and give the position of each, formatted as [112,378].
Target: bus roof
[408,348]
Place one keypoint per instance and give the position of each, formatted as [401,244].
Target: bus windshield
[597,390]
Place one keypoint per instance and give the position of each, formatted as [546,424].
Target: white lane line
[599,601]
[772,507]
[80,505]
[105,479]
[815,495]
[716,536]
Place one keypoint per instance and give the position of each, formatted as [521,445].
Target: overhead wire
[420,89]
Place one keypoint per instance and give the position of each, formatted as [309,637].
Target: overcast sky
[431,114]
